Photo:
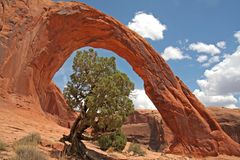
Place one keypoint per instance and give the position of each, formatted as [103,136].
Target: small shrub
[104,142]
[32,139]
[26,148]
[28,152]
[116,140]
[119,141]
[136,149]
[2,146]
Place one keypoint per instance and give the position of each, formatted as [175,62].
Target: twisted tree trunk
[77,147]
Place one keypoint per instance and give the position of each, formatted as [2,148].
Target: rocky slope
[37,36]
[147,126]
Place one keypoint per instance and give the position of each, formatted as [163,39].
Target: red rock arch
[41,35]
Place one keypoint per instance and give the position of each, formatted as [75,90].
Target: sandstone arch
[38,36]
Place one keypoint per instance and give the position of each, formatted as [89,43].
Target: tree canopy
[99,92]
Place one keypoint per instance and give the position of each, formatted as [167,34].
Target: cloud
[220,85]
[216,100]
[212,60]
[210,49]
[224,77]
[202,58]
[141,100]
[173,53]
[237,36]
[147,26]
[204,48]
[221,44]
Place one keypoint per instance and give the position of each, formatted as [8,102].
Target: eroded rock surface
[147,126]
[36,38]
[229,120]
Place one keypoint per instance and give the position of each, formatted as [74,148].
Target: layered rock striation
[37,36]
[147,127]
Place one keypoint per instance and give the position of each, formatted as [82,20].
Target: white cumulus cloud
[173,53]
[202,58]
[221,44]
[220,85]
[216,100]
[212,60]
[141,100]
[147,26]
[224,77]
[204,48]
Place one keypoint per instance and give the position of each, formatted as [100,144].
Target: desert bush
[136,149]
[32,139]
[119,141]
[104,142]
[28,152]
[2,146]
[116,140]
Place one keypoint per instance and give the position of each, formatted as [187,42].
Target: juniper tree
[99,92]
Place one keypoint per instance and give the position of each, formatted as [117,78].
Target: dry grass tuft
[28,152]
[26,148]
[32,139]
[136,149]
[2,146]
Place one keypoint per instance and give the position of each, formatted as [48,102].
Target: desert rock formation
[37,36]
[229,120]
[147,126]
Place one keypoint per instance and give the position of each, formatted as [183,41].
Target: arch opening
[138,95]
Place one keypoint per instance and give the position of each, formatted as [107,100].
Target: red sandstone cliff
[229,120]
[147,126]
[37,36]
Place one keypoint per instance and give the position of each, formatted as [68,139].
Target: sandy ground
[17,120]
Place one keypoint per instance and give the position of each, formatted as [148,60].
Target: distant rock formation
[229,120]
[36,38]
[147,126]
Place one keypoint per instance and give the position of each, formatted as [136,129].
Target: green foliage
[88,69]
[96,86]
[119,141]
[28,152]
[136,149]
[30,140]
[104,142]
[2,146]
[116,140]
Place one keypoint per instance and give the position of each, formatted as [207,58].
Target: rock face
[36,38]
[229,120]
[147,127]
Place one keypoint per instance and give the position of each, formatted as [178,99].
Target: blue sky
[198,38]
